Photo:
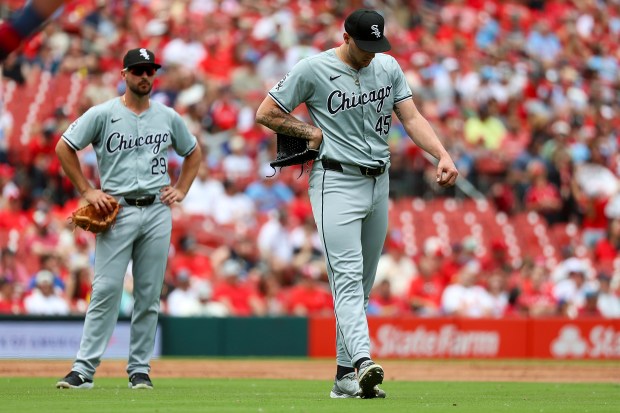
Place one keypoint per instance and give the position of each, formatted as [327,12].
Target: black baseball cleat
[370,375]
[75,380]
[140,381]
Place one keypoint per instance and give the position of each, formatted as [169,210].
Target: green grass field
[38,395]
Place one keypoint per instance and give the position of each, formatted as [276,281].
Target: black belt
[140,201]
[337,166]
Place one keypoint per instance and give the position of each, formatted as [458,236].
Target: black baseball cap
[366,28]
[140,56]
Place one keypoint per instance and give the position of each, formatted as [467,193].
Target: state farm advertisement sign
[573,339]
[469,338]
[450,340]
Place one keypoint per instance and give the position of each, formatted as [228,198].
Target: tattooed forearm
[282,122]
[295,127]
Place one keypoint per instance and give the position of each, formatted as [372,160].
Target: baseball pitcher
[351,93]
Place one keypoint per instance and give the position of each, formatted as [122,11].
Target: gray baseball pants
[141,234]
[351,213]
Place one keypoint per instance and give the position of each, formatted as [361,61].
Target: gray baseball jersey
[354,109]
[131,149]
[132,155]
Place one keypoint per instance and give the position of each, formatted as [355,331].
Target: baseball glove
[89,219]
[292,151]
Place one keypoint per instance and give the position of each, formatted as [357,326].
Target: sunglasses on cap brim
[140,70]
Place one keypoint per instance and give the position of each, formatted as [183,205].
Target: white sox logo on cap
[375,30]
[145,54]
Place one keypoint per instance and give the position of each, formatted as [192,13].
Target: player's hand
[169,195]
[100,200]
[446,172]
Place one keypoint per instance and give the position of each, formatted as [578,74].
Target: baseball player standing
[131,136]
[351,92]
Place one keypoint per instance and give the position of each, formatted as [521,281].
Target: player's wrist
[84,192]
[316,139]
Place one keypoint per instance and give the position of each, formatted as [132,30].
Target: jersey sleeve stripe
[405,98]
[279,104]
[71,144]
[191,150]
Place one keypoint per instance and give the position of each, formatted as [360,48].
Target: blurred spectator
[97,90]
[461,253]
[267,192]
[10,298]
[52,264]
[192,258]
[497,289]
[185,49]
[497,257]
[424,295]
[590,306]
[235,292]
[234,206]
[12,268]
[203,193]
[274,243]
[542,196]
[432,260]
[79,286]
[572,291]
[223,112]
[273,296]
[608,302]
[183,300]
[306,244]
[310,296]
[396,267]
[42,238]
[536,296]
[271,66]
[466,298]
[384,303]
[593,185]
[484,131]
[238,165]
[299,207]
[542,43]
[207,307]
[245,80]
[606,249]
[45,299]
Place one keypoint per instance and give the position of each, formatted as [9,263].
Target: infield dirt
[436,370]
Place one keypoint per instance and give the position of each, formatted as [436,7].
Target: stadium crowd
[525,94]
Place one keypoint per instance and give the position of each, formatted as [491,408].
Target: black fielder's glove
[292,151]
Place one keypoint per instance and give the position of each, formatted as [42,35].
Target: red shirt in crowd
[237,295]
[425,292]
[309,298]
